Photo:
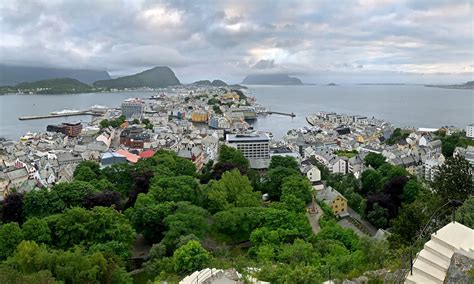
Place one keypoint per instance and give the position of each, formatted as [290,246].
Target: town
[195,122]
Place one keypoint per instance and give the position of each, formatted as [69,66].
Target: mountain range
[157,77]
[13,75]
[271,79]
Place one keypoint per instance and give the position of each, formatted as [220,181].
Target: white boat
[64,111]
[99,108]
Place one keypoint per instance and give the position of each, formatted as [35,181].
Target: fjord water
[403,105]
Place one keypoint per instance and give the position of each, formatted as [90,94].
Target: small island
[332,85]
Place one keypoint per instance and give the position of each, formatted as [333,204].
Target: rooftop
[254,137]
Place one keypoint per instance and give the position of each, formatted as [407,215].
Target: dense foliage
[85,231]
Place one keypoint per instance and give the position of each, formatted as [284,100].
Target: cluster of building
[180,119]
[332,136]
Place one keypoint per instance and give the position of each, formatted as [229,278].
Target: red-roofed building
[132,158]
[147,154]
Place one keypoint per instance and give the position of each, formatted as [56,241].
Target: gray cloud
[228,39]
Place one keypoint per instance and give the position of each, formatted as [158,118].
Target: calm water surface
[403,105]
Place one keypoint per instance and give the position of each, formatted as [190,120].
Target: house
[68,158]
[338,165]
[355,166]
[16,177]
[313,174]
[195,154]
[435,146]
[334,199]
[424,140]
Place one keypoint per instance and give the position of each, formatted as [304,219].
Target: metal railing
[434,223]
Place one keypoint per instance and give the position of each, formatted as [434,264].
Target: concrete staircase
[433,261]
[203,276]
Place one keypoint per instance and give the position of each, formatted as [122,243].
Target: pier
[281,113]
[86,112]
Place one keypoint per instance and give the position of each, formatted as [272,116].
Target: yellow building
[333,199]
[199,117]
[360,139]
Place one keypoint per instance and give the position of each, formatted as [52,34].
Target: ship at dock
[65,111]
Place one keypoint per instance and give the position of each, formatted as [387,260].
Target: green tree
[104,123]
[177,188]
[283,161]
[190,257]
[275,178]
[78,226]
[374,160]
[35,229]
[148,217]
[292,203]
[465,213]
[454,179]
[371,181]
[232,189]
[411,190]
[299,186]
[407,225]
[233,156]
[41,203]
[84,174]
[72,266]
[73,193]
[11,235]
[92,165]
[378,216]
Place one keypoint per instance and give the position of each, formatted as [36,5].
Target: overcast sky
[318,41]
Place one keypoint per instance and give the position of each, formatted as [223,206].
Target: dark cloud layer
[414,39]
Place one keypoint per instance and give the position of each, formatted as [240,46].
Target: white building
[133,108]
[470,131]
[255,147]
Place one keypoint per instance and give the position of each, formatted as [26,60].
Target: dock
[86,112]
[281,113]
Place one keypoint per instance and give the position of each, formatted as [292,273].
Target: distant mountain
[271,79]
[467,86]
[12,75]
[215,83]
[158,77]
[50,86]
[331,84]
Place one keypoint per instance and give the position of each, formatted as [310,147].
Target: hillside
[467,86]
[271,79]
[51,86]
[158,77]
[12,75]
[215,83]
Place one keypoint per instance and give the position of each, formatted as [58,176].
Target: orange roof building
[132,158]
[147,154]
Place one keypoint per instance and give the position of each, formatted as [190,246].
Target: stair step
[438,239]
[431,272]
[439,250]
[434,259]
[418,278]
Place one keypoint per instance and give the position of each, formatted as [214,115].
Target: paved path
[369,227]
[314,218]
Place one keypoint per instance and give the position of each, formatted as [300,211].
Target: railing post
[411,263]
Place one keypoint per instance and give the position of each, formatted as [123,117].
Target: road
[314,218]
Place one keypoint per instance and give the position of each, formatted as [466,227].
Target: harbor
[95,110]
